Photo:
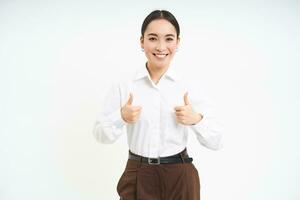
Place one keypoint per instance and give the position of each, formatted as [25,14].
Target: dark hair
[160,14]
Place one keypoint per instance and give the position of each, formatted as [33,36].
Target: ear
[178,42]
[142,42]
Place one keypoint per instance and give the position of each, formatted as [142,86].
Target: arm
[208,129]
[109,123]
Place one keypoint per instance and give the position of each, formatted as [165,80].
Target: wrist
[198,118]
[122,116]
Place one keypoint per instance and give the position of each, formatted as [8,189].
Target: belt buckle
[154,161]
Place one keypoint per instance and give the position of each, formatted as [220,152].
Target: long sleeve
[109,124]
[209,129]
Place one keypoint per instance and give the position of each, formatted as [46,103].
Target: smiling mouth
[160,55]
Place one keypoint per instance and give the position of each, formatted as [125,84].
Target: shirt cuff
[201,124]
[208,134]
[116,118]
[202,128]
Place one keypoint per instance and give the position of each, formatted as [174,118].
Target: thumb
[185,98]
[129,102]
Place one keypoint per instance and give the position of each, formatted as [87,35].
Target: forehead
[160,27]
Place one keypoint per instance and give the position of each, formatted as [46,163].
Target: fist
[185,114]
[130,113]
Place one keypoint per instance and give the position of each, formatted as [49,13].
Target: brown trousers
[141,181]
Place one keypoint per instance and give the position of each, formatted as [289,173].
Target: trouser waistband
[181,157]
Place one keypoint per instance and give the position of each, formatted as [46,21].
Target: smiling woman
[159,39]
[155,108]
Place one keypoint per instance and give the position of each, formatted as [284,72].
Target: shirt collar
[170,73]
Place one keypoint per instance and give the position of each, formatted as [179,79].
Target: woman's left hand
[185,114]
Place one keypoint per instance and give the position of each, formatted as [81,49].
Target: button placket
[155,138]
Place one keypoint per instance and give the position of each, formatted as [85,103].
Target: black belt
[177,158]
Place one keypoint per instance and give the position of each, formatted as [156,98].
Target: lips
[159,55]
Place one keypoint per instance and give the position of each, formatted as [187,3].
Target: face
[159,43]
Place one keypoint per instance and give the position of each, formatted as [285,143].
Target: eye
[152,39]
[170,39]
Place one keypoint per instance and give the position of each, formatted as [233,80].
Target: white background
[58,58]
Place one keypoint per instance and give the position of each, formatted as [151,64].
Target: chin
[160,64]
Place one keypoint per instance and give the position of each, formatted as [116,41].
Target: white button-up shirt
[157,133]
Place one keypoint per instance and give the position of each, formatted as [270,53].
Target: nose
[160,46]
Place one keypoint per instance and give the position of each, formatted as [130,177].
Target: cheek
[172,47]
[148,46]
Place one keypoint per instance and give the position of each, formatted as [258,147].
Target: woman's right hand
[130,113]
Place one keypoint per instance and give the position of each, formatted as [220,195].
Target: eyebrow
[154,34]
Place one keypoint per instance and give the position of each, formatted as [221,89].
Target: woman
[158,107]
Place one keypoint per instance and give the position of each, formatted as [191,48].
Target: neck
[156,72]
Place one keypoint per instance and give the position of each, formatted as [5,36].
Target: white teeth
[161,55]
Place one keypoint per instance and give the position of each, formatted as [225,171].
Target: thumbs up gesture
[130,113]
[185,114]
